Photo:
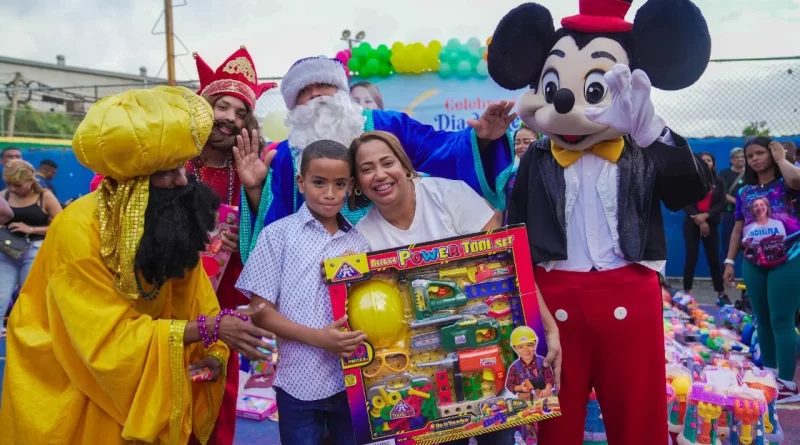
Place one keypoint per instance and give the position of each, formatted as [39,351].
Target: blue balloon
[445,70]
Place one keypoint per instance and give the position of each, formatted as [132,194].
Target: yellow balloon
[397,46]
[435,45]
[274,127]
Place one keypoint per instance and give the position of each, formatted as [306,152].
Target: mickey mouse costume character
[591,192]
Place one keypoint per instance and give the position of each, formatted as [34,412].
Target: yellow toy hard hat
[522,335]
[377,308]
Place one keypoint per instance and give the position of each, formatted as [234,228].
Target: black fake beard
[220,141]
[176,226]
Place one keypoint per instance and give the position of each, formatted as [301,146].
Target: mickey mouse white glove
[631,109]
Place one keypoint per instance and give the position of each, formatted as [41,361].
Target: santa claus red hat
[235,77]
[600,16]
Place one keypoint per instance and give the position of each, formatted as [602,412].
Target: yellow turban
[127,138]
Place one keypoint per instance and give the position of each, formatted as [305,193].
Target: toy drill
[431,296]
[474,360]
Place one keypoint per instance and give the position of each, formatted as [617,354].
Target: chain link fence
[733,96]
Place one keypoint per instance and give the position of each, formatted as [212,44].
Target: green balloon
[366,47]
[445,70]
[453,44]
[464,68]
[384,70]
[370,68]
[453,58]
[482,70]
[354,64]
[383,54]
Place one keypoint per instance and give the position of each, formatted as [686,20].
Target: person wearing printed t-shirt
[767,230]
[409,209]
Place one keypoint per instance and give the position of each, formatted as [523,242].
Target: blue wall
[73,180]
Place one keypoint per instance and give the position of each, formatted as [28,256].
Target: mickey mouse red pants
[612,337]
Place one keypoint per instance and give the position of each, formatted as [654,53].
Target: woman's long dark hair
[713,160]
[750,175]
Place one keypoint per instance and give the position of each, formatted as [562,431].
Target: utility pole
[170,42]
[12,118]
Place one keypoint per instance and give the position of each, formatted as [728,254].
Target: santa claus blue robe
[451,155]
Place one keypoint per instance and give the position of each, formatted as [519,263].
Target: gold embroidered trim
[180,377]
[120,210]
[206,427]
[230,86]
[241,65]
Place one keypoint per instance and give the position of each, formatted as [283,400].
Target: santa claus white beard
[336,118]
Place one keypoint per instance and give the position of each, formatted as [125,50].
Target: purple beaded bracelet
[221,314]
[203,329]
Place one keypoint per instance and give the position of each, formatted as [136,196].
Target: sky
[116,34]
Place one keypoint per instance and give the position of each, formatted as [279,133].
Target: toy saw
[471,332]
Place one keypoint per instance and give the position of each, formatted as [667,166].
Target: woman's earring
[357,191]
[410,175]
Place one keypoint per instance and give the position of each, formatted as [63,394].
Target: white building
[63,88]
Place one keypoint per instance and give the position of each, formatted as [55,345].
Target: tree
[756,129]
[30,122]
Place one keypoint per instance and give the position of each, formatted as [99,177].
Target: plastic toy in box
[765,382]
[215,259]
[455,343]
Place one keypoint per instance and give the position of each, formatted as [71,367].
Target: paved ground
[266,432]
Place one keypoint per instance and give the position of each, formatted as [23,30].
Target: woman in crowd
[702,224]
[5,211]
[367,95]
[33,208]
[523,138]
[409,209]
[767,230]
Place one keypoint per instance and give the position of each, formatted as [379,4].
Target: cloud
[115,35]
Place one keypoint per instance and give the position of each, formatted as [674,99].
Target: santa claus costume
[591,194]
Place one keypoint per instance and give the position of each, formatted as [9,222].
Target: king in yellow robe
[88,363]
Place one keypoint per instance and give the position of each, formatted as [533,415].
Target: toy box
[254,407]
[215,260]
[455,341]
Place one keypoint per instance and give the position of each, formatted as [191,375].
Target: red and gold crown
[600,16]
[235,77]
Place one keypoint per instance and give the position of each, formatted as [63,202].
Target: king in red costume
[232,91]
[591,194]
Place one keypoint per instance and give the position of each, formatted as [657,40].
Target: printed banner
[446,104]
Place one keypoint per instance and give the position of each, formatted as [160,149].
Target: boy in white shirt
[284,273]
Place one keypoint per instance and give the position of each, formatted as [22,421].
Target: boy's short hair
[48,163]
[325,149]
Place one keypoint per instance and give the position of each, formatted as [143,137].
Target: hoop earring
[357,191]
[410,175]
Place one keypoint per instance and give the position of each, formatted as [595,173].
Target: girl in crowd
[701,224]
[409,209]
[367,95]
[33,208]
[767,231]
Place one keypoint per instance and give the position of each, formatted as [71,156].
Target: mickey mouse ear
[672,43]
[520,45]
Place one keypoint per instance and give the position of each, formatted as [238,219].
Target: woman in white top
[410,209]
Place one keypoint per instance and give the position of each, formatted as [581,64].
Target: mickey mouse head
[566,70]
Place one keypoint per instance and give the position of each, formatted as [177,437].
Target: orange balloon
[489,41]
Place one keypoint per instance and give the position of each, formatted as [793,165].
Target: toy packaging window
[455,341]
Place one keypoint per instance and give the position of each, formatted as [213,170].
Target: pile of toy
[713,379]
[726,406]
